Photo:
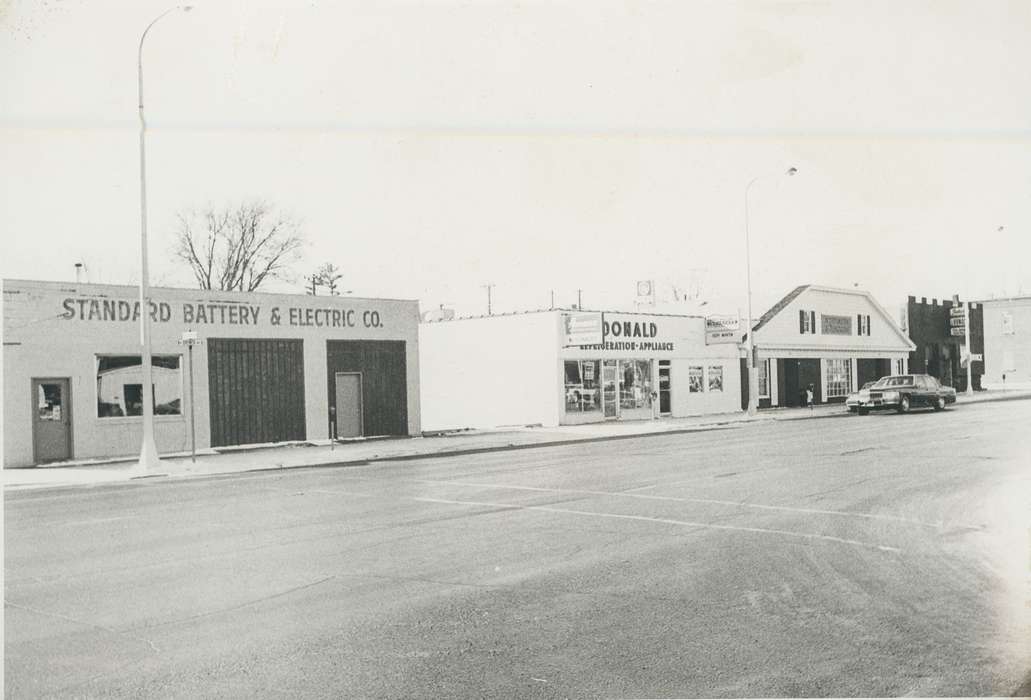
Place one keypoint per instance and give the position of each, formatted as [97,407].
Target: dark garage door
[384,381]
[256,391]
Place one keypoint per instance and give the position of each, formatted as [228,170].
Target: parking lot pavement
[322,453]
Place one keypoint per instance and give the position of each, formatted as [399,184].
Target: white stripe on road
[711,501]
[664,521]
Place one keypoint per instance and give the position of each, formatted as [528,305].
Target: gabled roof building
[827,339]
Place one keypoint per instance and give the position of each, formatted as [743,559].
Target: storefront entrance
[665,395]
[794,377]
[610,391]
[51,420]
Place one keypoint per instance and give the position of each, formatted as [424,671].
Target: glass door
[610,389]
[665,406]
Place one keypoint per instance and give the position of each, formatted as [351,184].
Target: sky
[431,148]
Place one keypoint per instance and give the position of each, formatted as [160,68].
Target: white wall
[782,329]
[685,403]
[1007,353]
[491,371]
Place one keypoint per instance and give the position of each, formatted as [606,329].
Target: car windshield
[868,385]
[886,382]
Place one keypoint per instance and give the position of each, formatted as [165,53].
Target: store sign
[103,310]
[722,329]
[959,332]
[628,334]
[955,311]
[957,321]
[835,325]
[583,329]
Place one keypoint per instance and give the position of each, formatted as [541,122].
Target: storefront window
[716,378]
[839,377]
[694,380]
[582,386]
[764,379]
[635,384]
[120,385]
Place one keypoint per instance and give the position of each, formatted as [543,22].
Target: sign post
[189,339]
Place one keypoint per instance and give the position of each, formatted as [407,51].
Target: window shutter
[868,325]
[812,322]
[859,324]
[801,321]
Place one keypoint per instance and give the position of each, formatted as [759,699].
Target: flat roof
[75,286]
[563,309]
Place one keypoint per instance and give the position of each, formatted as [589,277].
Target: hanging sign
[722,329]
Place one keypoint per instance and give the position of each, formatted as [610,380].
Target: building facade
[832,340]
[1007,343]
[528,369]
[937,331]
[268,368]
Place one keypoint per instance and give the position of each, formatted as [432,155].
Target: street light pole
[753,370]
[966,338]
[148,450]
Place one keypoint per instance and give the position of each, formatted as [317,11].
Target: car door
[926,390]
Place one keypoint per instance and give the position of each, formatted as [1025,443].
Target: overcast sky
[432,147]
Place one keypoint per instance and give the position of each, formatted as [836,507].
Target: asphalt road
[857,556]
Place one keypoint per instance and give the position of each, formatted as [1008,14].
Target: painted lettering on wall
[194,314]
[629,329]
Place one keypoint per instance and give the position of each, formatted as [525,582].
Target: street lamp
[148,451]
[753,370]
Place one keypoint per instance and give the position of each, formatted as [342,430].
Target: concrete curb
[461,452]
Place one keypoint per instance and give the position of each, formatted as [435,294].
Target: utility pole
[552,299]
[579,299]
[489,286]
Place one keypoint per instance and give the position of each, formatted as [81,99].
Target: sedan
[904,392]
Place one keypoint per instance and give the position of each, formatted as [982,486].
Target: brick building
[938,352]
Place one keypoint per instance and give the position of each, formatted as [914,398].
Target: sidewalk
[322,454]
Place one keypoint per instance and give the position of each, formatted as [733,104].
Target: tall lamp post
[148,451]
[753,370]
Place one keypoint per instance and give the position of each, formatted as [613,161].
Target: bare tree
[238,248]
[327,275]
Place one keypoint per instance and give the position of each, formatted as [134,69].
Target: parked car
[857,397]
[903,392]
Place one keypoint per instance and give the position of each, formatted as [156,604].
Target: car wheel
[939,403]
[904,404]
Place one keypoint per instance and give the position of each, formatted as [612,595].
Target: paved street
[860,556]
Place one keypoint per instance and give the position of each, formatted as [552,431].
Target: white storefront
[270,368]
[833,340]
[519,369]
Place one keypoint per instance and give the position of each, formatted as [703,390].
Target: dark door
[664,388]
[51,420]
[384,384]
[256,390]
[868,370]
[791,392]
[809,373]
[349,404]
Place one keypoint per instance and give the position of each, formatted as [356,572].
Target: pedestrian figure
[809,396]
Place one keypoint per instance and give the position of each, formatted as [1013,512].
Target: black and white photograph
[515,348]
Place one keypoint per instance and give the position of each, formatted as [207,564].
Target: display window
[635,384]
[582,386]
[695,380]
[764,379]
[839,377]
[120,385]
[716,378]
